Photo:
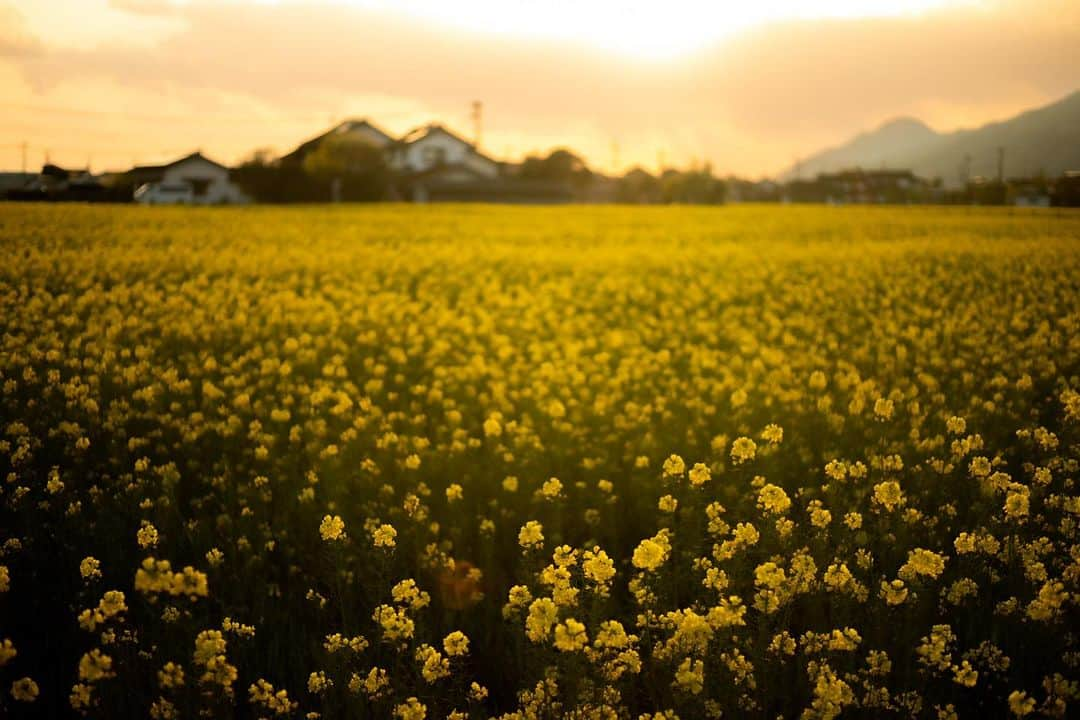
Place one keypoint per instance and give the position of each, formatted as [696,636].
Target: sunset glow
[746,87]
[635,28]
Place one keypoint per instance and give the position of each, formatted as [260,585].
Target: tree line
[350,170]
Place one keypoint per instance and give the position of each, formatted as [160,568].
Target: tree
[561,166]
[347,168]
[268,181]
[692,187]
[638,187]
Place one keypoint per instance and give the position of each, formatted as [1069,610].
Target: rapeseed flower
[531,535]
[332,528]
[456,644]
[743,450]
[384,536]
[24,690]
[652,552]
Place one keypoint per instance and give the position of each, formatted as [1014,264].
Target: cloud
[749,105]
[15,38]
[147,7]
[825,74]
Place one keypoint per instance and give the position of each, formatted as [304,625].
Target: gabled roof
[197,155]
[364,124]
[418,134]
[348,126]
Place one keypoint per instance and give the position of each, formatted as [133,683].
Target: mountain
[1045,140]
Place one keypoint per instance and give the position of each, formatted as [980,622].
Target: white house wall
[482,165]
[421,155]
[219,191]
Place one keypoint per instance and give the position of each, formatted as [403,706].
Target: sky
[111,83]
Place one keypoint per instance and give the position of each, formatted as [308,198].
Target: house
[191,180]
[434,164]
[985,191]
[601,189]
[431,164]
[462,183]
[739,190]
[57,184]
[360,130]
[1067,190]
[14,181]
[861,187]
[434,146]
[1028,192]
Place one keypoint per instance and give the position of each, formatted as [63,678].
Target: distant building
[360,130]
[433,164]
[1032,192]
[1066,191]
[739,190]
[459,183]
[57,184]
[1028,192]
[600,189]
[433,146]
[191,180]
[418,151]
[14,181]
[980,190]
[860,186]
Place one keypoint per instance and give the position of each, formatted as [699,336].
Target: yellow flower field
[469,462]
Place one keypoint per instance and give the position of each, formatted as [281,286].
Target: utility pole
[1001,165]
[478,122]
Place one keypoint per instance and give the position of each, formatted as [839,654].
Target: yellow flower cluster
[531,535]
[209,655]
[157,576]
[25,690]
[652,552]
[112,605]
[275,702]
[456,644]
[90,568]
[743,450]
[384,536]
[607,462]
[332,528]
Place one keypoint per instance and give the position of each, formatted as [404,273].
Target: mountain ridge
[1045,140]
